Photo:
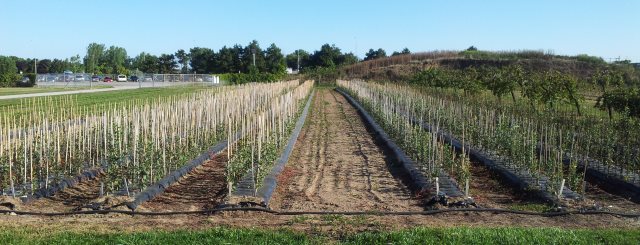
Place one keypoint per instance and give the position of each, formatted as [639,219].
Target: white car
[121,78]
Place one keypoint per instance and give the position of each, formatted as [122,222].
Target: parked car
[133,78]
[148,78]
[107,79]
[79,78]
[95,78]
[121,78]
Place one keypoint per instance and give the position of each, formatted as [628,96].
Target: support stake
[466,188]
[437,186]
[561,189]
[126,187]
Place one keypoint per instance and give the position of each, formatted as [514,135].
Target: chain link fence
[85,77]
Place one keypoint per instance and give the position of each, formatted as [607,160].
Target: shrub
[590,59]
[8,72]
[30,82]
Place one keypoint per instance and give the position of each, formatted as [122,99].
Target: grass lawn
[35,90]
[457,235]
[102,98]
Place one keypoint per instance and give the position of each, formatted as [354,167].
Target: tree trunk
[533,106]
[577,104]
[513,96]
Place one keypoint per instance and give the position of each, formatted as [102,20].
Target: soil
[337,165]
[488,191]
[310,224]
[87,191]
[597,198]
[203,188]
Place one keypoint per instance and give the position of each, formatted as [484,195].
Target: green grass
[466,235]
[211,236]
[103,98]
[35,90]
[455,235]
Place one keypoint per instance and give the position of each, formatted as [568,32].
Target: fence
[85,77]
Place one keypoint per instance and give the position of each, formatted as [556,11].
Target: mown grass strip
[117,96]
[466,235]
[455,235]
[34,90]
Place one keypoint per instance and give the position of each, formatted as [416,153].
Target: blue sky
[59,29]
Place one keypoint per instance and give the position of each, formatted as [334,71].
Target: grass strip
[455,235]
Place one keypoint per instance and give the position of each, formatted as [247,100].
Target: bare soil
[488,191]
[203,188]
[337,165]
[596,197]
[85,192]
[311,224]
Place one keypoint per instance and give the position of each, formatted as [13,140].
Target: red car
[107,79]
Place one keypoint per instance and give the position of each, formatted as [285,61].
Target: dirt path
[203,188]
[337,165]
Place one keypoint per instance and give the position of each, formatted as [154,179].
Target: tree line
[238,61]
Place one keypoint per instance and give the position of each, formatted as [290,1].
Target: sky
[60,29]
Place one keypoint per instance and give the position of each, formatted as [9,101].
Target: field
[365,163]
[254,236]
[15,91]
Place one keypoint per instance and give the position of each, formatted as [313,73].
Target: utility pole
[298,53]
[35,70]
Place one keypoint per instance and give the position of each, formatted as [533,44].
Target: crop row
[265,134]
[138,143]
[538,149]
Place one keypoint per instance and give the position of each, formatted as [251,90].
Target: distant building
[636,65]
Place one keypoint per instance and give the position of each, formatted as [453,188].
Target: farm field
[256,122]
[342,177]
